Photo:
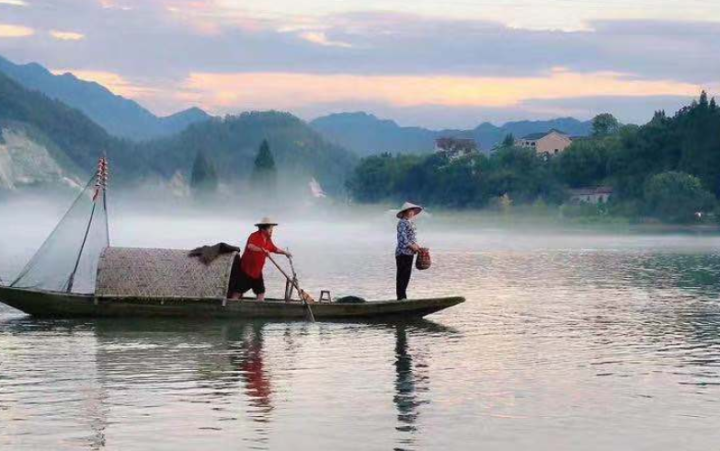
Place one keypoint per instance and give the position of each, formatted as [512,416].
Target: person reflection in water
[247,358]
[253,373]
[406,387]
[407,247]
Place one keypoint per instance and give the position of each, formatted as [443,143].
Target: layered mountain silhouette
[81,140]
[64,124]
[119,116]
[44,141]
[365,134]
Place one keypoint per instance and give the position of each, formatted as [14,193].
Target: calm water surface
[567,341]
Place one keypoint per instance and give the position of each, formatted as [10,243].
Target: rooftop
[536,136]
[589,190]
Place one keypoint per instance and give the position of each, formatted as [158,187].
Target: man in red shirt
[249,274]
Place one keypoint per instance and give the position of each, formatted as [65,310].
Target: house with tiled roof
[591,195]
[550,142]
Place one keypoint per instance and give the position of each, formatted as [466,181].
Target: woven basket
[423,260]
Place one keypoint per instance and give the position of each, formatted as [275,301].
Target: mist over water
[569,339]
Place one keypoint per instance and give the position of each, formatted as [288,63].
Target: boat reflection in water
[118,382]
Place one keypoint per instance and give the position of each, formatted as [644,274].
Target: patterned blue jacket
[405,237]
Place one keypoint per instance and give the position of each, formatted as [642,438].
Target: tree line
[667,169]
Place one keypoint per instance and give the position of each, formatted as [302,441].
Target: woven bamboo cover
[161,273]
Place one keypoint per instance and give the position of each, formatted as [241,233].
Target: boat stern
[46,303]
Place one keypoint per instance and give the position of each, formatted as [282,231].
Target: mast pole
[104,175]
[107,223]
[71,280]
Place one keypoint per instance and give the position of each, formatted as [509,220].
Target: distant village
[546,144]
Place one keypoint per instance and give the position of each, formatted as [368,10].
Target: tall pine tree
[264,175]
[203,179]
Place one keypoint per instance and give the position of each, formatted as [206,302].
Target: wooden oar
[303,295]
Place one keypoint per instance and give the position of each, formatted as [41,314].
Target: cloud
[183,36]
[15,31]
[66,35]
[13,2]
[228,57]
[318,37]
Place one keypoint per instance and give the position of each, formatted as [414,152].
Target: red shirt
[252,262]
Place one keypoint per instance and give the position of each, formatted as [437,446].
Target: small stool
[322,296]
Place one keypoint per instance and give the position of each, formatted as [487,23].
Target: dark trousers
[404,271]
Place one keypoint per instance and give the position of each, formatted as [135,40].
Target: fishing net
[67,260]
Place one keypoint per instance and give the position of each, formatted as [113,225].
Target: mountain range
[66,123]
[365,134]
[360,132]
[45,142]
[119,116]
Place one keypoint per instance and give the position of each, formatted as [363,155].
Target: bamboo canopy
[161,273]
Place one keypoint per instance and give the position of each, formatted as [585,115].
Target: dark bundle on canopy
[207,254]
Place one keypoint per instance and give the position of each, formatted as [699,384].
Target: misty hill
[365,134]
[28,158]
[65,129]
[66,142]
[232,143]
[119,116]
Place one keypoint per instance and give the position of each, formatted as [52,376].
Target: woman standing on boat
[407,247]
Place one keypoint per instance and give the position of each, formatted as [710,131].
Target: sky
[439,64]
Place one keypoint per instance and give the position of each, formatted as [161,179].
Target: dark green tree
[522,174]
[203,178]
[699,142]
[584,163]
[508,141]
[264,173]
[604,124]
[676,197]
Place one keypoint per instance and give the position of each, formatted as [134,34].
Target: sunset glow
[15,31]
[66,35]
[464,60]
[286,90]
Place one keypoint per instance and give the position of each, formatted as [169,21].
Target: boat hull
[54,304]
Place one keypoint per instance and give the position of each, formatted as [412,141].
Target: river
[568,340]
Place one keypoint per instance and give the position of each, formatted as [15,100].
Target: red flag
[101,177]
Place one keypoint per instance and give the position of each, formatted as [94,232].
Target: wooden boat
[167,282]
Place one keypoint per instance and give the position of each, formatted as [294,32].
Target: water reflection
[406,387]
[60,372]
[248,360]
[412,377]
[251,366]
